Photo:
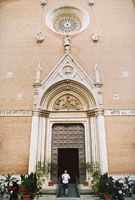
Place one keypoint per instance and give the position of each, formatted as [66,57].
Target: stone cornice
[45,113]
[16,113]
[40,112]
[119,112]
[98,84]
[95,112]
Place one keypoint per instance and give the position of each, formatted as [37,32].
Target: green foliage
[106,184]
[9,178]
[30,183]
[22,178]
[96,174]
[40,173]
[90,167]
[43,168]
[127,181]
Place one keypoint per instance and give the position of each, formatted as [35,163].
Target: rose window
[67,24]
[67,19]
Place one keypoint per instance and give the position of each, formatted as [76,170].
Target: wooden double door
[68,151]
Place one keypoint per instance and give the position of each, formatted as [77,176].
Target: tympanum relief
[67,102]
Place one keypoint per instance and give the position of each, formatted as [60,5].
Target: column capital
[44,113]
[35,111]
[40,112]
[95,112]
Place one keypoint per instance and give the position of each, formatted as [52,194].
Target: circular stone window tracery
[67,24]
[67,20]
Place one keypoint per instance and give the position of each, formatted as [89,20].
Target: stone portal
[68,141]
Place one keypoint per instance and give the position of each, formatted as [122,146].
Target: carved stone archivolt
[67,102]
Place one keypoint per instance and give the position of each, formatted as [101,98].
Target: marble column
[102,141]
[33,141]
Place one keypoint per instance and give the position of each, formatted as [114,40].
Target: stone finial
[43,2]
[97,74]
[91,2]
[40,37]
[67,43]
[38,69]
[95,37]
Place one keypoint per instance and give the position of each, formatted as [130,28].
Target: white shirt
[65,178]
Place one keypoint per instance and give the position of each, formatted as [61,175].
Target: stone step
[82,197]
[73,192]
[53,197]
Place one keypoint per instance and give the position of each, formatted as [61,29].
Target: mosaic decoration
[67,24]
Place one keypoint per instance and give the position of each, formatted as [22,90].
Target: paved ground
[53,197]
[83,197]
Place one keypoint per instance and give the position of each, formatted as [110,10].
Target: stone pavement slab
[53,197]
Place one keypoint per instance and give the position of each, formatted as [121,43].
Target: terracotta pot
[85,183]
[108,197]
[51,183]
[96,193]
[21,188]
[26,197]
[8,188]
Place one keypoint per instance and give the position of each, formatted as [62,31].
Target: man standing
[65,181]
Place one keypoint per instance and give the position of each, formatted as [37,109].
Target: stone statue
[97,74]
[95,37]
[67,43]
[40,37]
[43,2]
[38,69]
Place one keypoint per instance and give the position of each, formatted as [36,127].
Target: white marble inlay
[125,73]
[9,74]
[19,96]
[116,96]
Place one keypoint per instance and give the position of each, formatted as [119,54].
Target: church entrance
[68,150]
[69,159]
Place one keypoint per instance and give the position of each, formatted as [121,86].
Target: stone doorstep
[53,197]
[52,190]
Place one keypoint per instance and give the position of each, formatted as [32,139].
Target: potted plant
[52,168]
[9,179]
[40,173]
[95,173]
[21,187]
[87,167]
[127,182]
[42,170]
[30,185]
[106,186]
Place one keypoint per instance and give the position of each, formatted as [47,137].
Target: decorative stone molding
[125,73]
[44,113]
[95,37]
[15,113]
[43,2]
[119,112]
[10,74]
[68,102]
[91,2]
[98,82]
[40,112]
[67,44]
[67,19]
[67,70]
[116,96]
[19,96]
[38,69]
[40,37]
[95,112]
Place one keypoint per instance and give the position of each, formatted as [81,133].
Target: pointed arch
[67,87]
